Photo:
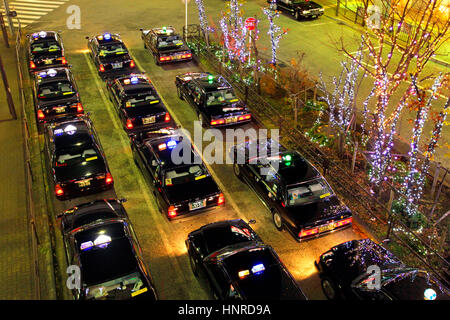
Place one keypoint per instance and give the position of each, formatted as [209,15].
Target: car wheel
[179,93]
[202,120]
[277,221]
[193,266]
[237,170]
[329,288]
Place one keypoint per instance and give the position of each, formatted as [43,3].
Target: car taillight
[102,68]
[132,64]
[166,58]
[343,222]
[172,211]
[40,114]
[244,117]
[58,190]
[218,121]
[109,178]
[79,107]
[167,117]
[188,55]
[221,199]
[308,232]
[63,60]
[32,65]
[129,124]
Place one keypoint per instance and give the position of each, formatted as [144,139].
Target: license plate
[178,57]
[117,65]
[59,109]
[84,183]
[327,227]
[197,205]
[148,120]
[48,61]
[231,120]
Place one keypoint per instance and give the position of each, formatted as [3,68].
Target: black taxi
[213,99]
[100,241]
[166,45]
[365,270]
[77,162]
[110,55]
[137,103]
[297,195]
[55,95]
[299,8]
[45,50]
[180,181]
[236,265]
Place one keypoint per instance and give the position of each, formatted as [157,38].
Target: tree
[411,31]
[275,37]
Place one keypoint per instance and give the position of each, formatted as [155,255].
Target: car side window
[272,182]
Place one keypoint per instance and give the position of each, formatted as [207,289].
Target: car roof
[115,259]
[71,133]
[43,36]
[219,235]
[142,82]
[169,31]
[298,170]
[218,82]
[45,76]
[263,277]
[115,38]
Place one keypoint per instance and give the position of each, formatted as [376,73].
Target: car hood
[192,190]
[314,213]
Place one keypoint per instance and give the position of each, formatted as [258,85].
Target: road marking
[29,11]
[142,184]
[211,170]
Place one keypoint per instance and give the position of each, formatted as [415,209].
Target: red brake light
[218,121]
[172,211]
[188,55]
[109,178]
[308,232]
[32,65]
[221,199]
[63,60]
[79,107]
[102,68]
[167,117]
[244,117]
[58,190]
[40,114]
[343,222]
[129,124]
[132,64]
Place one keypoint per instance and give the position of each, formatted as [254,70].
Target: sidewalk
[16,258]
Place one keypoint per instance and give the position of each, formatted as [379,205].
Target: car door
[217,280]
[115,97]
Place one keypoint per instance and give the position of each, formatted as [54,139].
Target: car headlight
[305,11]
[322,9]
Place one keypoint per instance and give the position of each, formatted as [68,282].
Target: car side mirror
[252,221]
[123,200]
[140,29]
[87,37]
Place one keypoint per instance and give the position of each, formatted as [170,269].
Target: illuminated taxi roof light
[107,36]
[100,37]
[258,268]
[70,129]
[52,72]
[162,147]
[287,157]
[42,34]
[58,132]
[134,80]
[126,81]
[102,241]
[242,274]
[35,35]
[210,78]
[42,74]
[429,294]
[165,29]
[86,245]
[171,144]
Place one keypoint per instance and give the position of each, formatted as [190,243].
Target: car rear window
[184,174]
[55,90]
[45,47]
[219,237]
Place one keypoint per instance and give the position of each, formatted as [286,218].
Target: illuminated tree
[273,32]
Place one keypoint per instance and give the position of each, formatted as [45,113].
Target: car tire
[237,170]
[202,120]
[329,288]
[193,266]
[179,93]
[277,220]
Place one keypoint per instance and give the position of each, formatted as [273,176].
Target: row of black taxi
[228,255]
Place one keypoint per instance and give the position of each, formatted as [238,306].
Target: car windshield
[45,47]
[55,90]
[141,97]
[184,174]
[220,97]
[168,42]
[307,192]
[112,49]
[76,156]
